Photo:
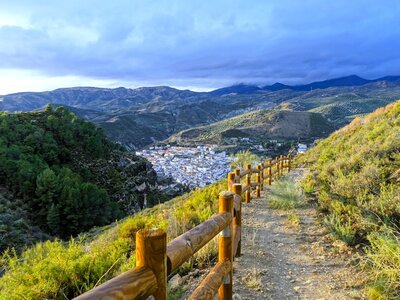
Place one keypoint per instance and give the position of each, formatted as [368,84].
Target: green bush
[57,270]
[383,263]
[243,158]
[286,195]
[308,184]
[342,228]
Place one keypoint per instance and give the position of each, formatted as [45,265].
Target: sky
[199,45]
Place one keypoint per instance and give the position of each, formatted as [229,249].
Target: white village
[193,167]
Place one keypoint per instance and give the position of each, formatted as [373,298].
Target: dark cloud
[201,42]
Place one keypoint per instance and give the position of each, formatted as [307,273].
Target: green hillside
[260,124]
[63,270]
[356,178]
[59,176]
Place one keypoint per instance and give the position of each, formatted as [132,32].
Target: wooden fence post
[237,189]
[277,167]
[289,161]
[269,173]
[248,183]
[247,197]
[237,175]
[261,170]
[231,180]
[225,245]
[258,195]
[281,165]
[151,252]
[248,167]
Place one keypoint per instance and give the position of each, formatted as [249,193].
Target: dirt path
[284,261]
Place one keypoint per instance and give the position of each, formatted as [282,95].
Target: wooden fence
[155,259]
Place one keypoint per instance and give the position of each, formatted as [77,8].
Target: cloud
[199,43]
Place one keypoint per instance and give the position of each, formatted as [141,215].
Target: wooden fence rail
[155,260]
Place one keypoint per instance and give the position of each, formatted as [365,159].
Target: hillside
[56,170]
[261,124]
[139,117]
[355,175]
[60,270]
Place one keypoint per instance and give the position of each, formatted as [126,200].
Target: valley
[137,118]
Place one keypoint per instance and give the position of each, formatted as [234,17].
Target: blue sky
[46,44]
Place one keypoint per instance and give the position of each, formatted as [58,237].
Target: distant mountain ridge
[351,80]
[139,117]
[92,97]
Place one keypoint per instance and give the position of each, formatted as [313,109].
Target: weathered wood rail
[155,259]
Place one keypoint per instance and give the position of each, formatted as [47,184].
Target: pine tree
[53,219]
[47,190]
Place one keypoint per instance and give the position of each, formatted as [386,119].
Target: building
[301,148]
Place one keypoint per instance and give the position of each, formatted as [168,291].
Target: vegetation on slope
[356,174]
[261,124]
[67,176]
[60,270]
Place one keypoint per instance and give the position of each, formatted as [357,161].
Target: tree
[49,108]
[47,191]
[53,219]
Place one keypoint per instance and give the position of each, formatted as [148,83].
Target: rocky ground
[283,259]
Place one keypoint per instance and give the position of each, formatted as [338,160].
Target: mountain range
[139,117]
[351,80]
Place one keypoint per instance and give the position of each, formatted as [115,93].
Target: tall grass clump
[382,262]
[355,174]
[243,158]
[57,270]
[285,195]
[63,270]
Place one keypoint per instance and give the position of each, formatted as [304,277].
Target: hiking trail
[281,260]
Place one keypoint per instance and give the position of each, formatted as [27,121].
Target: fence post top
[237,188]
[226,194]
[151,233]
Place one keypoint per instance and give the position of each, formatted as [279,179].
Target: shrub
[57,270]
[342,228]
[308,184]
[286,195]
[383,263]
[243,158]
